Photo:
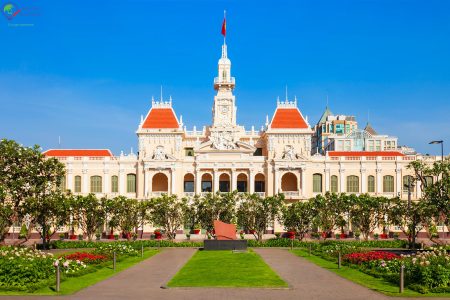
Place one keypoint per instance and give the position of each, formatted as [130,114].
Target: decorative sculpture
[224,231]
[159,153]
[289,153]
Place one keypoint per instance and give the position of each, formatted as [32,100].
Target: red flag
[224,27]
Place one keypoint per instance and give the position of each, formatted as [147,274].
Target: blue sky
[87,71]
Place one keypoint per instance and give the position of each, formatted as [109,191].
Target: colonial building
[281,157]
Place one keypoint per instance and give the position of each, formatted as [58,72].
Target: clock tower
[224,109]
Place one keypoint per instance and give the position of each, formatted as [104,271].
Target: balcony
[291,194]
[224,81]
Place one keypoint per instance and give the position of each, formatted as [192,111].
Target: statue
[289,153]
[159,153]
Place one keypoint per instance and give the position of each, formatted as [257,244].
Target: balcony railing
[189,194]
[157,194]
[261,194]
[218,80]
[291,193]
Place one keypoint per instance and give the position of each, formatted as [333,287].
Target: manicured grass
[226,269]
[376,284]
[73,284]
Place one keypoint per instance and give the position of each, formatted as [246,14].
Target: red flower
[86,257]
[361,257]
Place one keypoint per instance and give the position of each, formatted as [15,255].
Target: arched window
[352,184]
[405,183]
[188,183]
[242,183]
[388,184]
[371,184]
[62,184]
[317,183]
[429,180]
[131,183]
[224,183]
[77,184]
[334,184]
[114,184]
[206,182]
[96,184]
[260,183]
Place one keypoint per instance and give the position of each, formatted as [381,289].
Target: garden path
[144,281]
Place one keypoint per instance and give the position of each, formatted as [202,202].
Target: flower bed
[86,257]
[119,248]
[362,257]
[424,272]
[24,269]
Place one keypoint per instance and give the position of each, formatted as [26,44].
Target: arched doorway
[289,182]
[224,183]
[188,183]
[160,183]
[206,183]
[242,183]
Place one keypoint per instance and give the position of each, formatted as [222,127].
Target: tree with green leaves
[408,217]
[20,179]
[168,212]
[435,184]
[257,214]
[218,206]
[298,217]
[125,214]
[88,214]
[143,214]
[329,211]
[365,214]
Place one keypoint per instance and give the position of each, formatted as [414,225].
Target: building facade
[287,155]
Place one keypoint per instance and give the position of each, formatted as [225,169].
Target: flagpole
[225,36]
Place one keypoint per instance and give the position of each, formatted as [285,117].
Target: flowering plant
[361,257]
[89,258]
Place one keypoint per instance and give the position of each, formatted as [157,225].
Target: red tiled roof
[288,118]
[161,118]
[78,152]
[365,153]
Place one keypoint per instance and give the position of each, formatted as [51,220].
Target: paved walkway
[144,281]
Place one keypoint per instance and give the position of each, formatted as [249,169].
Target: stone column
[84,183]
[379,182]
[398,182]
[106,181]
[145,183]
[70,184]
[198,182]
[233,178]
[303,181]
[149,183]
[173,189]
[363,181]
[341,180]
[122,187]
[251,181]
[327,180]
[215,180]
[276,180]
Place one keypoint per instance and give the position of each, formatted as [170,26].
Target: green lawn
[226,269]
[376,284]
[73,284]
